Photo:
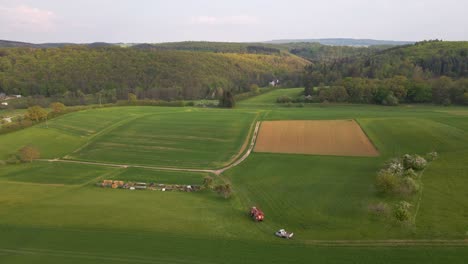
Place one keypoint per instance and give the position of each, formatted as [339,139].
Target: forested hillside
[154,74]
[429,71]
[307,50]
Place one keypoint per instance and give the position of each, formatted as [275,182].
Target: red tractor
[256,214]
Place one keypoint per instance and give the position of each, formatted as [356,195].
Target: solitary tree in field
[57,107]
[36,113]
[29,153]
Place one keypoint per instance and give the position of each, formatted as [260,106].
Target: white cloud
[26,18]
[224,20]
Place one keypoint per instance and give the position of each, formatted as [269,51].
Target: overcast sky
[234,20]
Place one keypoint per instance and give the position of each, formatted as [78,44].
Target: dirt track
[320,137]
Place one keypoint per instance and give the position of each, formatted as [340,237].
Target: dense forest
[425,72]
[152,74]
[429,71]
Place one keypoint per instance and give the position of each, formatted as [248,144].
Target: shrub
[13,159]
[408,186]
[402,212]
[132,98]
[208,182]
[283,99]
[431,156]
[57,107]
[386,182]
[224,189]
[394,166]
[36,113]
[415,162]
[410,173]
[390,100]
[380,209]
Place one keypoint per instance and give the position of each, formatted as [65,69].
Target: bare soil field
[319,137]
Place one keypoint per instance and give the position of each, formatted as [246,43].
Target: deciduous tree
[36,113]
[29,153]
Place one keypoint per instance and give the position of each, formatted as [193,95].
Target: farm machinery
[284,234]
[256,214]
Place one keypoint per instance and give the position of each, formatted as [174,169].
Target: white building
[274,83]
[4,104]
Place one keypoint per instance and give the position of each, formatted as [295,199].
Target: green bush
[431,156]
[402,211]
[386,182]
[283,99]
[379,209]
[224,190]
[390,100]
[410,173]
[394,166]
[414,162]
[13,159]
[409,186]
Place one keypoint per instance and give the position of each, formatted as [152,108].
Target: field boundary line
[244,144]
[246,154]
[125,166]
[37,183]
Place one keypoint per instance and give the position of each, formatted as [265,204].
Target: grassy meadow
[52,212]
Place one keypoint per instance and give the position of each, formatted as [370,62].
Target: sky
[154,21]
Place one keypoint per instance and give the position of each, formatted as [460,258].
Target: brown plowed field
[319,137]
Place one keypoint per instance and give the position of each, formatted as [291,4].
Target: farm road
[216,172]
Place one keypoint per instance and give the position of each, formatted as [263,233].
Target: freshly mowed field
[194,139]
[324,137]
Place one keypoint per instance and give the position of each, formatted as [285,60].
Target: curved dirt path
[216,172]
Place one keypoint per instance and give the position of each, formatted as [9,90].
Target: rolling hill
[155,74]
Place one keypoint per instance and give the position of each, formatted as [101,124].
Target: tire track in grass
[106,130]
[112,127]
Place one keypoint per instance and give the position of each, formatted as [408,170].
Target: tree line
[427,72]
[110,73]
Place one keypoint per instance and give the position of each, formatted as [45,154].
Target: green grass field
[52,212]
[269,99]
[191,139]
